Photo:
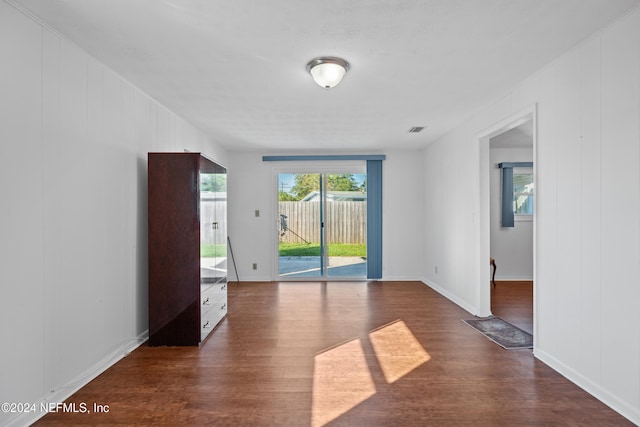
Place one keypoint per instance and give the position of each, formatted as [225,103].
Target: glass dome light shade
[327,72]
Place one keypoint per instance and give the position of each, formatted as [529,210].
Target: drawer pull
[223,287]
[206,325]
[223,306]
[206,302]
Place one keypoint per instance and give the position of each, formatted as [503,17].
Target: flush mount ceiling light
[327,71]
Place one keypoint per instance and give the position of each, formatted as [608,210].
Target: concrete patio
[309,266]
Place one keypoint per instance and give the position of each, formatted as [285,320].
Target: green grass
[210,251]
[313,249]
[296,249]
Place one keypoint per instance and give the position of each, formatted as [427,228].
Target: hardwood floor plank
[513,302]
[314,353]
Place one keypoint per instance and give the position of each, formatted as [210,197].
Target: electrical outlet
[255,266]
[436,269]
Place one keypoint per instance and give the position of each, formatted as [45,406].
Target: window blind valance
[324,157]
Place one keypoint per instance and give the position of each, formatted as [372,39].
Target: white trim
[398,279]
[451,297]
[514,279]
[483,272]
[625,409]
[64,391]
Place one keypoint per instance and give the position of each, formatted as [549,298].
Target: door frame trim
[483,289]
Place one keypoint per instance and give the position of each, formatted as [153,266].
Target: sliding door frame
[323,168]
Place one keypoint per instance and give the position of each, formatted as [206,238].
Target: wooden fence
[213,211]
[345,222]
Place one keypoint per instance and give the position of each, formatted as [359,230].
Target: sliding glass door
[322,225]
[346,225]
[300,249]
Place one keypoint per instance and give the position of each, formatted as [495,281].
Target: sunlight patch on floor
[341,380]
[397,349]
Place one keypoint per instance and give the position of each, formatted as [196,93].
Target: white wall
[402,216]
[73,275]
[511,247]
[587,314]
[252,187]
[73,141]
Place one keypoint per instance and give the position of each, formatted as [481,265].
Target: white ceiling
[236,68]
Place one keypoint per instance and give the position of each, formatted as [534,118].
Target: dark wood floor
[513,301]
[338,354]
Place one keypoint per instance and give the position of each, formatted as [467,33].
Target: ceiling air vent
[416,129]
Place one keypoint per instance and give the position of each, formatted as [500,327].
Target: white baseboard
[64,391]
[471,309]
[514,278]
[401,279]
[623,408]
[349,279]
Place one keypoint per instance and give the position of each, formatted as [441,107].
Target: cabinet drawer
[213,316]
[211,294]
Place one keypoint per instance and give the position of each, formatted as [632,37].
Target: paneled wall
[587,289]
[619,209]
[73,276]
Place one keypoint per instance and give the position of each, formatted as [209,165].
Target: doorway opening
[509,242]
[512,246]
[322,225]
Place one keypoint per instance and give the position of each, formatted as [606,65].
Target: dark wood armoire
[187,201]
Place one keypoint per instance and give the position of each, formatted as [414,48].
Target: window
[517,192]
[523,187]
